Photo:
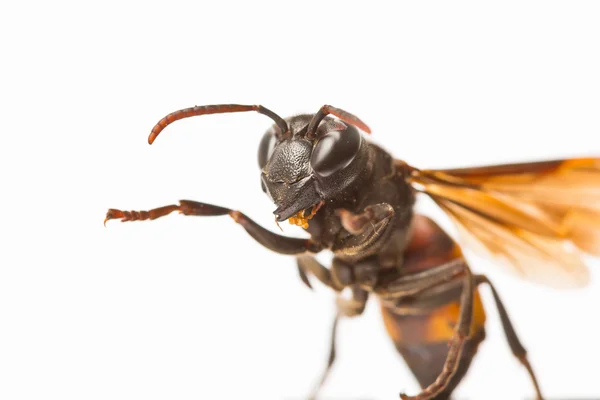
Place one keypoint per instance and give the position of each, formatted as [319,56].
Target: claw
[113,214]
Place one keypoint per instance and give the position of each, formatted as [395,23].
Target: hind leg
[457,343]
[436,333]
[427,360]
[433,312]
[511,336]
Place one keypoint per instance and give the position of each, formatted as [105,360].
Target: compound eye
[335,151]
[265,148]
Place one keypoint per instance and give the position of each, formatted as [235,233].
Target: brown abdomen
[422,339]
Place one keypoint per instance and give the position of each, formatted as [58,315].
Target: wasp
[357,201]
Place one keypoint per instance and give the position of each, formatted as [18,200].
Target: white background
[189,308]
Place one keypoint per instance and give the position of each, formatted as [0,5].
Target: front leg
[372,216]
[277,243]
[366,228]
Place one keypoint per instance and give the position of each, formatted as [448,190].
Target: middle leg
[345,307]
[352,307]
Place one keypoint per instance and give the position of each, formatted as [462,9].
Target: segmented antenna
[215,109]
[345,116]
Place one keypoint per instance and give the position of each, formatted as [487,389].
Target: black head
[305,160]
[314,162]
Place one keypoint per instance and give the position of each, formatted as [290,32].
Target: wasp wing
[535,218]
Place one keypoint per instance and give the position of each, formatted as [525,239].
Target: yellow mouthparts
[300,220]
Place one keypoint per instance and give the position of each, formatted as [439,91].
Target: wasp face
[299,172]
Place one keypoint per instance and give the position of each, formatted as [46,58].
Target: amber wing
[538,219]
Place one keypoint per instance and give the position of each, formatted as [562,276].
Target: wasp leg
[345,307]
[371,216]
[270,240]
[341,274]
[308,264]
[366,228]
[352,307]
[456,344]
[438,287]
[330,360]
[511,336]
[416,283]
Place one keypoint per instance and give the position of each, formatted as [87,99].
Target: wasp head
[310,164]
